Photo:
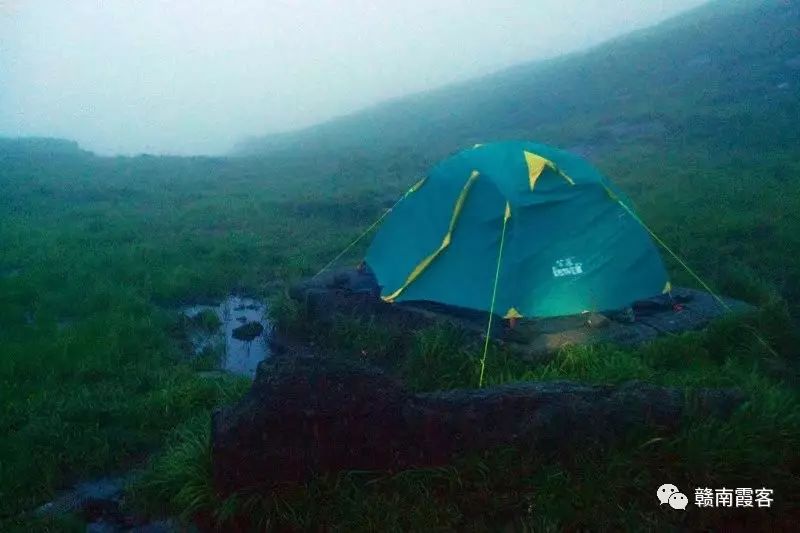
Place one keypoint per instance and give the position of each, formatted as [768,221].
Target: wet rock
[86,496]
[307,416]
[100,503]
[350,292]
[248,331]
[596,320]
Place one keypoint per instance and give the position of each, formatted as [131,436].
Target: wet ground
[238,355]
[100,502]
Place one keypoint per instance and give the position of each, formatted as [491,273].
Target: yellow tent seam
[416,186]
[422,265]
[563,175]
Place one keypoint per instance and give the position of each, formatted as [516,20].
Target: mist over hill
[104,262]
[725,76]
[38,147]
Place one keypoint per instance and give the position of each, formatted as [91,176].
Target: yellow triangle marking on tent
[536,165]
[512,313]
[667,288]
[420,268]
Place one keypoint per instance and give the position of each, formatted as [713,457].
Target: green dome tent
[520,229]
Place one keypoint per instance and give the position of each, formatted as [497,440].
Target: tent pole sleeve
[422,265]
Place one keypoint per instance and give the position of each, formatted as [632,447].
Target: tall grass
[598,487]
[97,253]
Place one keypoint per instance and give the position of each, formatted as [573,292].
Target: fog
[181,77]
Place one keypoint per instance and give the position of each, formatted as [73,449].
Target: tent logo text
[567,267]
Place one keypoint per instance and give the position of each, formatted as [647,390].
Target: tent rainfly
[519,229]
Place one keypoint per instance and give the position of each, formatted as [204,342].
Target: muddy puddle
[240,333]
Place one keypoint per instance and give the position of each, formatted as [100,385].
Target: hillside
[725,76]
[100,258]
[39,147]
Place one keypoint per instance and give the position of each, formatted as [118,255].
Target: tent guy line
[554,219]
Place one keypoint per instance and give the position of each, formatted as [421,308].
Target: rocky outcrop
[348,291]
[307,416]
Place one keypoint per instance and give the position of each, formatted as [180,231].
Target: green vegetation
[207,320]
[98,254]
[569,491]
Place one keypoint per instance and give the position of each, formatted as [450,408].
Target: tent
[519,229]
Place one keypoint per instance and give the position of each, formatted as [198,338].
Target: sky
[194,77]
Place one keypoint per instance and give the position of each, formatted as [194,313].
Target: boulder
[247,331]
[308,416]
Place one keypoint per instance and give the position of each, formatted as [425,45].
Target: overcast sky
[194,77]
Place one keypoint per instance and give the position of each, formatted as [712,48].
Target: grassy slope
[97,250]
[97,255]
[697,102]
[707,75]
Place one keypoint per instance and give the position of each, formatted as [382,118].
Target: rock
[100,503]
[344,416]
[248,331]
[350,292]
[308,416]
[596,321]
[86,496]
[537,340]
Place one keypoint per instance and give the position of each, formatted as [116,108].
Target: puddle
[240,335]
[100,503]
[103,489]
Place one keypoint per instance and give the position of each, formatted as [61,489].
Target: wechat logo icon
[669,494]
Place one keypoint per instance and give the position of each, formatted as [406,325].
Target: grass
[97,256]
[755,447]
[100,253]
